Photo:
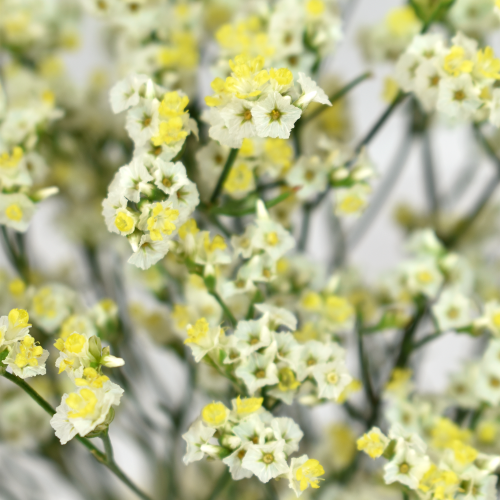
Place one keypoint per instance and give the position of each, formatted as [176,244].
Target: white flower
[235,463]
[168,176]
[238,118]
[452,310]
[427,78]
[51,305]
[287,430]
[252,335]
[406,69]
[406,467]
[352,201]
[275,116]
[13,327]
[271,237]
[197,436]
[491,317]
[16,211]
[278,316]
[424,243]
[143,121]
[219,131]
[423,276]
[332,378]
[458,97]
[149,252]
[83,411]
[310,174]
[259,370]
[202,338]
[126,93]
[266,461]
[26,359]
[134,179]
[311,92]
[411,439]
[252,430]
[314,353]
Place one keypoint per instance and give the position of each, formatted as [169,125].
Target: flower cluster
[265,357]
[150,198]
[89,409]
[255,102]
[29,109]
[453,469]
[295,33]
[18,349]
[458,81]
[251,441]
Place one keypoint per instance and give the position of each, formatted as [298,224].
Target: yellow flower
[455,62]
[308,474]
[402,21]
[82,403]
[28,352]
[189,227]
[92,378]
[338,309]
[197,333]
[373,443]
[247,406]
[162,221]
[214,414]
[487,65]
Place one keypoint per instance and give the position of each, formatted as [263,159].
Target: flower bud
[95,348]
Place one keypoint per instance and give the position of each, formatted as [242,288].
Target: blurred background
[378,251]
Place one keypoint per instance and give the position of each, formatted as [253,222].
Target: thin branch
[99,455]
[381,121]
[430,173]
[225,308]
[337,96]
[223,176]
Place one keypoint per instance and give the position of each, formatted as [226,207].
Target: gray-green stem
[99,455]
[223,176]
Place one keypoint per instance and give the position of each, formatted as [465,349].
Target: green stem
[225,308]
[18,261]
[248,211]
[99,455]
[381,121]
[337,96]
[220,485]
[428,338]
[430,174]
[107,446]
[407,341]
[304,228]
[435,13]
[365,375]
[476,416]
[223,176]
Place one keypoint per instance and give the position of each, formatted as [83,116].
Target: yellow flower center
[214,414]
[28,352]
[14,212]
[83,404]
[124,222]
[307,474]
